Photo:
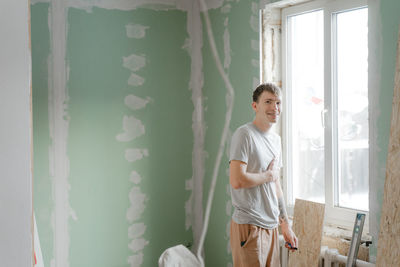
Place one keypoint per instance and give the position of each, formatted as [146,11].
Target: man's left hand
[289,236]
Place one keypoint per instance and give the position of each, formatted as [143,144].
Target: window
[325,126]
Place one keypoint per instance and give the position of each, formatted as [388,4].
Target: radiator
[328,257]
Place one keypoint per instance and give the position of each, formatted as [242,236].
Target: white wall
[15,135]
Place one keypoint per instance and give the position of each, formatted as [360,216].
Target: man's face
[268,107]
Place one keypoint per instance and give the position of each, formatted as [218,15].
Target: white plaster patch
[134,154]
[135,103]
[136,260]
[136,230]
[132,128]
[135,80]
[136,31]
[226,8]
[138,244]
[134,62]
[255,45]
[135,177]
[137,199]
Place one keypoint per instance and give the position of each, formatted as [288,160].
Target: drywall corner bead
[136,31]
[134,62]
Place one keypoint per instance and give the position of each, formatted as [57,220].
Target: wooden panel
[308,223]
[389,234]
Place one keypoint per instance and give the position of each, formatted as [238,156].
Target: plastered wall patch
[136,260]
[134,154]
[134,62]
[137,200]
[136,230]
[132,128]
[135,80]
[135,177]
[135,103]
[136,31]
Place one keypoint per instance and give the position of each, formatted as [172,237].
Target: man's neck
[262,126]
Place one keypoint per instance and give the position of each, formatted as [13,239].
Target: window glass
[352,108]
[306,75]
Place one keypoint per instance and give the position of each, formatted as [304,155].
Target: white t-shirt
[256,205]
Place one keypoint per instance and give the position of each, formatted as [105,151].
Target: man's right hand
[272,173]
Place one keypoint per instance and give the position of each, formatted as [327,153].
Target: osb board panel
[343,246]
[389,234]
[308,222]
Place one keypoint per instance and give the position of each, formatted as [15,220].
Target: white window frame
[334,215]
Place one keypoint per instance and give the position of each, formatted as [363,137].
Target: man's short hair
[269,87]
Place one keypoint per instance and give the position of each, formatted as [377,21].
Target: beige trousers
[253,246]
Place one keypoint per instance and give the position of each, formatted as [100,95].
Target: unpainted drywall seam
[227,62]
[194,207]
[59,124]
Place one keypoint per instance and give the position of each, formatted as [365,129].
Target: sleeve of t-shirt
[240,146]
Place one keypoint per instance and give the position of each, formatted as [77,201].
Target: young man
[257,197]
